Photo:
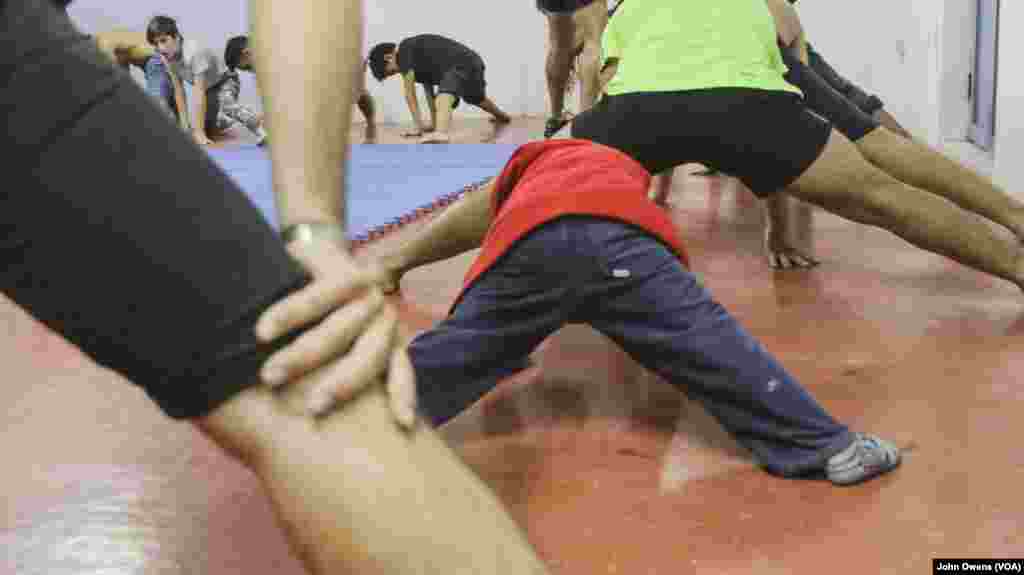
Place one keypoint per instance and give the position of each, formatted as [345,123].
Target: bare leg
[356,495]
[460,228]
[561,33]
[592,19]
[491,108]
[367,107]
[445,103]
[841,181]
[925,168]
[778,242]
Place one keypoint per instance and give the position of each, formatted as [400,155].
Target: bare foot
[435,138]
[781,255]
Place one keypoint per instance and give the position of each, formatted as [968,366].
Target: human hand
[384,275]
[201,138]
[419,131]
[353,343]
[782,255]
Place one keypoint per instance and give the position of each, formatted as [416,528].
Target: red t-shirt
[546,180]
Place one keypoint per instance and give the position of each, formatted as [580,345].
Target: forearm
[179,102]
[354,494]
[432,103]
[460,228]
[367,106]
[801,49]
[308,105]
[788,27]
[199,105]
[777,216]
[414,106]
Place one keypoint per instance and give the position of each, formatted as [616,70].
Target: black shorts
[823,99]
[870,104]
[122,235]
[465,82]
[562,6]
[765,138]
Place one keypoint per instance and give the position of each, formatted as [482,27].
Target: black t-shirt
[429,56]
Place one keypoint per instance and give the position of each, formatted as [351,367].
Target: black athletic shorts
[562,6]
[465,82]
[765,138]
[820,97]
[119,233]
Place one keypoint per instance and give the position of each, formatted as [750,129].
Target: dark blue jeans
[159,85]
[628,285]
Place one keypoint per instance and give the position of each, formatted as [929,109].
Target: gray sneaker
[867,457]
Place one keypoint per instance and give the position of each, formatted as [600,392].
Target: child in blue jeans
[215,106]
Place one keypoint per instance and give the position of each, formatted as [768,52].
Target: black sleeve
[407,56]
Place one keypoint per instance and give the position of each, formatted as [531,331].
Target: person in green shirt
[721,101]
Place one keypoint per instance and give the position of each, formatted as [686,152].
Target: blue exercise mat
[385,181]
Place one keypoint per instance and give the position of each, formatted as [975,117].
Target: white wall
[889,48]
[1008,168]
[957,62]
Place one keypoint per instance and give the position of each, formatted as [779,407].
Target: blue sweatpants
[629,286]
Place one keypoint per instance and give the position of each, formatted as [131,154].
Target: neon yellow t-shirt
[670,45]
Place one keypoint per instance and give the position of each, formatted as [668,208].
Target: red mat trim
[417,214]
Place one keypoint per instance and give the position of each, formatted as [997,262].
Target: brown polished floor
[606,466]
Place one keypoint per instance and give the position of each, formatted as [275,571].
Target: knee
[561,38]
[884,202]
[154,66]
[559,61]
